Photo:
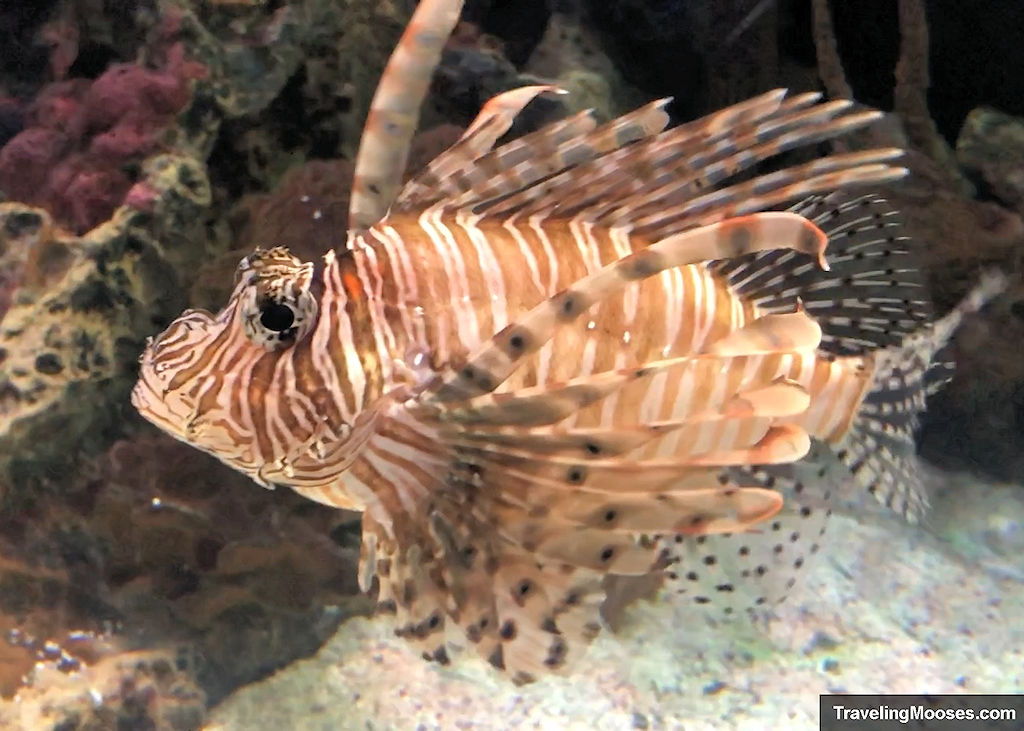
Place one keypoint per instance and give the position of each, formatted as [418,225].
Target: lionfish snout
[163,394]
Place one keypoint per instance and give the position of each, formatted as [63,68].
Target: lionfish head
[228,383]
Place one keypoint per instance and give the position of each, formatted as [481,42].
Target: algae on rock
[80,314]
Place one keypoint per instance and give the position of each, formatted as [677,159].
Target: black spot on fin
[874,295]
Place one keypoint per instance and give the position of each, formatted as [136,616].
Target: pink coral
[138,96]
[26,161]
[141,196]
[72,156]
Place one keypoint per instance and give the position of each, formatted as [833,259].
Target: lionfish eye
[277,317]
[276,305]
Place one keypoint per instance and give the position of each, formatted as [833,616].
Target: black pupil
[277,317]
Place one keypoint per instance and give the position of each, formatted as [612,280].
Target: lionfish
[593,351]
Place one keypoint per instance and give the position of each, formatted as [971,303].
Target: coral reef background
[145,147]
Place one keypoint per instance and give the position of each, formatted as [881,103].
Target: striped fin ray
[540,616]
[459,581]
[782,398]
[445,176]
[599,477]
[524,615]
[879,449]
[409,588]
[619,167]
[532,643]
[747,440]
[583,444]
[524,162]
[550,403]
[529,163]
[465,173]
[680,164]
[539,497]
[487,368]
[570,520]
[652,180]
[835,172]
[395,111]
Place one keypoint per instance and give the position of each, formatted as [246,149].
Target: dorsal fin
[591,160]
[447,175]
[874,294]
[522,162]
[655,186]
[632,175]
[765,192]
[395,111]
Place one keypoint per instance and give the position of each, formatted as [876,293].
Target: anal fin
[751,571]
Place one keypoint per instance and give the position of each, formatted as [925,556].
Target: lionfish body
[583,353]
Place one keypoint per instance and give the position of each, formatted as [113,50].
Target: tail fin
[879,448]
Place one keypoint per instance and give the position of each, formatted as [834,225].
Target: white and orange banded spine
[559,359]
